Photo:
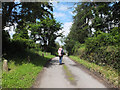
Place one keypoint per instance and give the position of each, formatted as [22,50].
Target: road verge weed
[107,72]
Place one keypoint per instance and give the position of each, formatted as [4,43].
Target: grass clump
[22,72]
[69,74]
[106,71]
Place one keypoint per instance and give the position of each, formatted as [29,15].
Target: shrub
[20,45]
[75,48]
[81,51]
[103,39]
[103,49]
[107,55]
[5,41]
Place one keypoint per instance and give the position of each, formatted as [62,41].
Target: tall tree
[45,31]
[21,34]
[24,12]
[80,27]
[97,17]
[116,13]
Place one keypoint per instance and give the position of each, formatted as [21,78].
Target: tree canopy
[37,18]
[45,31]
[90,19]
[24,12]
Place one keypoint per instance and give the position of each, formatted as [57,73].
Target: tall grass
[24,68]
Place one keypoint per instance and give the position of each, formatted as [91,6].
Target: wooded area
[24,57]
[35,17]
[94,37]
[95,33]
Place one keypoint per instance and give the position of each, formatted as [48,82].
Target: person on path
[60,53]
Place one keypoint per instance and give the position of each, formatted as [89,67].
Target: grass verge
[23,72]
[107,72]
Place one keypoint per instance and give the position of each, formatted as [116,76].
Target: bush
[20,45]
[80,51]
[103,39]
[77,45]
[102,49]
[107,55]
[5,41]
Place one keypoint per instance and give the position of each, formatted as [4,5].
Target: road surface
[56,76]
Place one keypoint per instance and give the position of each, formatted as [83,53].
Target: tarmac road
[55,76]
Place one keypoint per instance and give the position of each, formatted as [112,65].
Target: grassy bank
[24,68]
[105,71]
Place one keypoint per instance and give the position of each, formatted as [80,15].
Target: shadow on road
[52,63]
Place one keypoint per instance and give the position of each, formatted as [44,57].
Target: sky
[62,12]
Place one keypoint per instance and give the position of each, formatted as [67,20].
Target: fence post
[5,66]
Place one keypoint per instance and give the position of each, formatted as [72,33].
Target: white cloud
[55,3]
[12,32]
[58,40]
[63,7]
[57,14]
[65,30]
[11,29]
[60,7]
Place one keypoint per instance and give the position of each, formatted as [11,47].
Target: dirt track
[55,76]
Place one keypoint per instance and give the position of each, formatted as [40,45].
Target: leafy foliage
[46,31]
[102,49]
[21,34]
[91,20]
[24,55]
[24,12]
[103,39]
[95,33]
[5,41]
[36,17]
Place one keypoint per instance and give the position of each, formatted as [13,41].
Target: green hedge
[103,39]
[20,45]
[107,55]
[103,48]
[98,43]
